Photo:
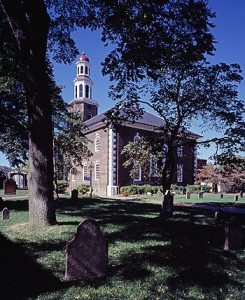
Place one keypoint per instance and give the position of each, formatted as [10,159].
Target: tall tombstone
[74,194]
[184,191]
[236,198]
[9,187]
[188,195]
[1,202]
[87,253]
[200,195]
[233,234]
[167,205]
[5,214]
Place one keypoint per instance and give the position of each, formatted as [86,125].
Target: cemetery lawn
[182,258]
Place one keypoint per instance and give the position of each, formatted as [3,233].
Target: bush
[177,189]
[83,188]
[195,188]
[139,189]
[206,188]
[62,185]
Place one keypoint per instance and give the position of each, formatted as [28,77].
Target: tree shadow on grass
[23,277]
[21,205]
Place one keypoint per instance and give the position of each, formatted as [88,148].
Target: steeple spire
[83,84]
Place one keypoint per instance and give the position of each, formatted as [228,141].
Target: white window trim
[85,173]
[97,143]
[179,173]
[139,177]
[97,178]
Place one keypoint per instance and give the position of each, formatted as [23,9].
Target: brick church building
[105,170]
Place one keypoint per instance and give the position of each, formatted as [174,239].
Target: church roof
[146,119]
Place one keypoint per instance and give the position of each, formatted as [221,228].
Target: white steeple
[83,84]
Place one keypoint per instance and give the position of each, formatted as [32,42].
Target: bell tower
[83,101]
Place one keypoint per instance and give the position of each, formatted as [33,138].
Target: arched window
[97,171]
[180,151]
[86,70]
[137,169]
[81,70]
[77,70]
[179,173]
[80,91]
[87,91]
[85,173]
[89,115]
[75,91]
[137,137]
[97,143]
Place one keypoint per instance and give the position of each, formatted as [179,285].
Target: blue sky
[230,48]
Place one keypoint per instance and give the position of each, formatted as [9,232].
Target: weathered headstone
[188,195]
[1,203]
[87,252]
[221,196]
[5,214]
[184,191]
[236,198]
[9,187]
[200,195]
[74,194]
[233,234]
[167,205]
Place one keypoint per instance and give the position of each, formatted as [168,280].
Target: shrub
[206,188]
[62,185]
[178,189]
[139,189]
[195,188]
[83,188]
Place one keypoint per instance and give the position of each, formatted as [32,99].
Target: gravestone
[200,195]
[87,253]
[1,202]
[188,195]
[233,234]
[221,196]
[74,194]
[236,198]
[9,187]
[241,194]
[167,205]
[184,191]
[5,214]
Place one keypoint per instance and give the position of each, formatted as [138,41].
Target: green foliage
[146,262]
[194,188]
[177,189]
[178,83]
[206,188]
[139,189]
[62,185]
[83,188]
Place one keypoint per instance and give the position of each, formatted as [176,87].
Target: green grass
[208,198]
[182,258]
[18,193]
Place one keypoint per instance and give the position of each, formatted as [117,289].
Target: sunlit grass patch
[182,258]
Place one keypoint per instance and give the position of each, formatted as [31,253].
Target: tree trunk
[41,198]
[168,171]
[30,22]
